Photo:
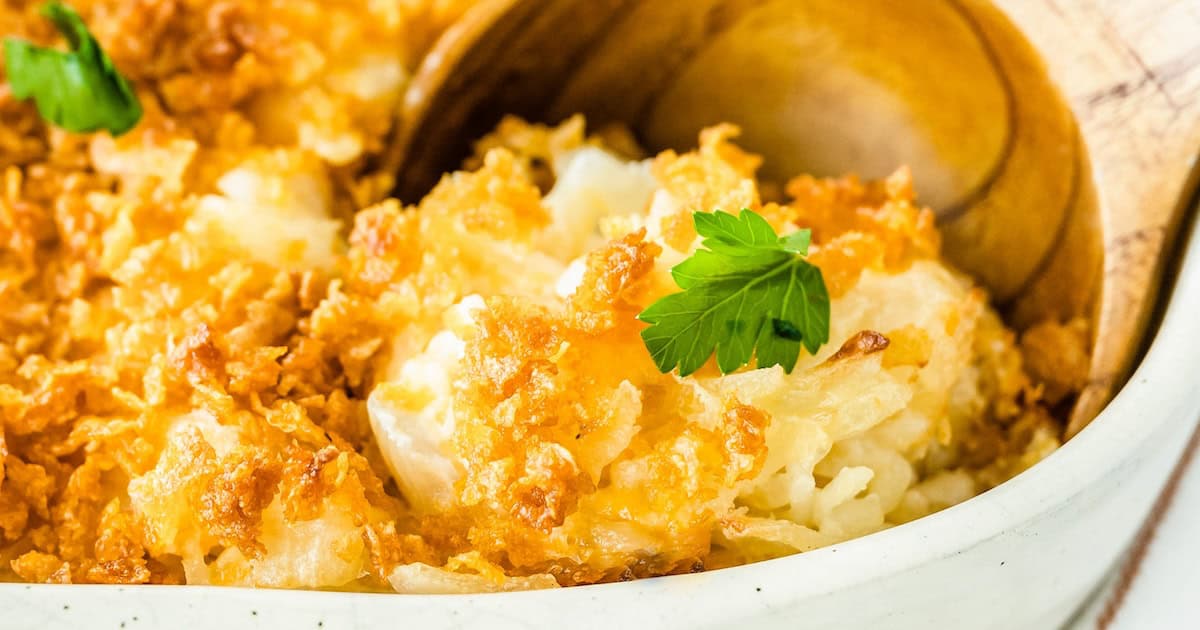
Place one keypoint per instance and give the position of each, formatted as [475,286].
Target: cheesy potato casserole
[227,357]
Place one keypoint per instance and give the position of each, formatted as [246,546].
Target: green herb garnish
[80,90]
[750,293]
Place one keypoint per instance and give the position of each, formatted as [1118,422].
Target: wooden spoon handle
[1132,77]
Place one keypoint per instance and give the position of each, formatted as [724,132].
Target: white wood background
[1164,590]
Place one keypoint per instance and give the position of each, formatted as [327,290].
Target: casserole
[1035,547]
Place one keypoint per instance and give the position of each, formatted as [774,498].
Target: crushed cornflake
[226,359]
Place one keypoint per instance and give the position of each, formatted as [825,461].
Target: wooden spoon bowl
[1061,205]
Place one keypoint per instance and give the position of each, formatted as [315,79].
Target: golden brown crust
[1056,355]
[718,176]
[497,199]
[615,275]
[168,396]
[231,505]
[861,344]
[858,226]
[123,319]
[745,437]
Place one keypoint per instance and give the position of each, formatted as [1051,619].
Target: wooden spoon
[1060,206]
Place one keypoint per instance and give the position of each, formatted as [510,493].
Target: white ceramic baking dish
[1024,555]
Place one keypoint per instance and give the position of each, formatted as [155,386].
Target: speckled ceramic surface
[1024,555]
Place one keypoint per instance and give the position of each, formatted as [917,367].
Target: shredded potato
[226,358]
[535,426]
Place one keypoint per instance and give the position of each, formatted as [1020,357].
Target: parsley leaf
[748,293]
[80,90]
